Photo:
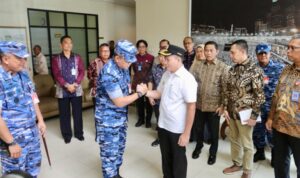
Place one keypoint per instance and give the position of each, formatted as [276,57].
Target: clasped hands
[71,87]
[142,88]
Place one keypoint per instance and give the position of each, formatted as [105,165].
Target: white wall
[115,21]
[158,19]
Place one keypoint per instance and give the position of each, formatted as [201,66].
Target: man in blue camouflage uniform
[19,111]
[272,71]
[111,113]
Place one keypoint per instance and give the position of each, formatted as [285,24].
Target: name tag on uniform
[73,71]
[266,80]
[295,96]
[139,67]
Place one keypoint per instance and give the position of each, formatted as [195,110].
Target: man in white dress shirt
[178,93]
[40,62]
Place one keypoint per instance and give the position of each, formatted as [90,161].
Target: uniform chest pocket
[15,97]
[173,93]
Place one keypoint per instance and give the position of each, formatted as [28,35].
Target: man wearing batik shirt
[284,117]
[68,73]
[272,71]
[189,54]
[95,68]
[243,91]
[210,76]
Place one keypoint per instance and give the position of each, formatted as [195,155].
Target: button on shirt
[244,89]
[271,75]
[210,78]
[16,101]
[286,102]
[112,83]
[177,89]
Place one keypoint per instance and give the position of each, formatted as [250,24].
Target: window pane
[75,20]
[91,21]
[92,56]
[92,39]
[39,36]
[79,43]
[37,18]
[56,19]
[56,34]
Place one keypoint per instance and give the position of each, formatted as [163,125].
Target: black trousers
[65,116]
[284,145]
[174,161]
[156,112]
[213,122]
[141,104]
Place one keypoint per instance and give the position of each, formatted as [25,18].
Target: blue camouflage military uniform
[17,110]
[111,121]
[271,75]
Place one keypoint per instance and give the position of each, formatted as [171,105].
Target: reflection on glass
[39,36]
[37,18]
[92,39]
[56,34]
[79,43]
[75,20]
[91,21]
[56,19]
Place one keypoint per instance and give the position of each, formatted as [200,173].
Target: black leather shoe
[155,143]
[67,140]
[80,138]
[259,155]
[211,160]
[148,124]
[139,123]
[196,153]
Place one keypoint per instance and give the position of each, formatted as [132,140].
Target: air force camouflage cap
[16,48]
[127,50]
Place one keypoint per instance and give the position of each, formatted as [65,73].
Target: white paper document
[246,114]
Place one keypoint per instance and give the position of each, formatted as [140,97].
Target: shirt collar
[189,54]
[247,61]
[63,55]
[214,61]
[6,75]
[180,71]
[270,64]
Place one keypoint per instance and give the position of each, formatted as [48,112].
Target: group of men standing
[209,90]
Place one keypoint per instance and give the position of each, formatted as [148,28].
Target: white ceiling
[122,2]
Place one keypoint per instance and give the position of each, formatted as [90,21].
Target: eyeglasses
[293,47]
[262,53]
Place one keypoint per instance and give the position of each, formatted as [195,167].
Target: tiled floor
[81,159]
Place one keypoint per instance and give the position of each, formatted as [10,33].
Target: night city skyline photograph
[246,16]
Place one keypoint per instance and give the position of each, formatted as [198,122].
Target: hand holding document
[245,116]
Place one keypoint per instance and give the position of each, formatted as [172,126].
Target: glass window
[92,40]
[56,34]
[91,21]
[75,20]
[92,56]
[38,18]
[79,43]
[39,36]
[56,19]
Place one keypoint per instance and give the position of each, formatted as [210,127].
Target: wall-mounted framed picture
[18,34]
[257,21]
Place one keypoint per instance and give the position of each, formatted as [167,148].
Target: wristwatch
[140,94]
[11,143]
